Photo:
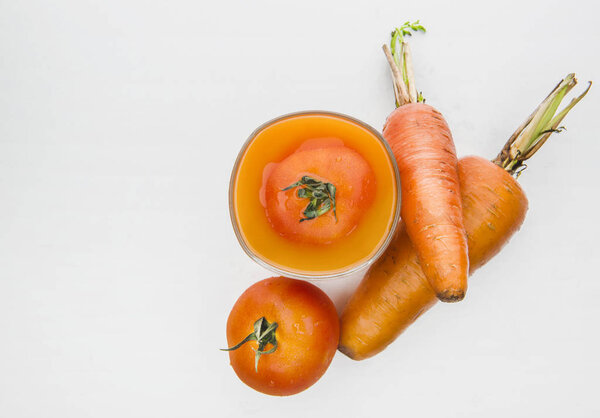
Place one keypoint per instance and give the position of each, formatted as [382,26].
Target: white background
[119,125]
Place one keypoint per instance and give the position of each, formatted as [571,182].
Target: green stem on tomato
[264,334]
[321,197]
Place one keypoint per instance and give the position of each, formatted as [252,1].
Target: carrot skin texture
[431,206]
[395,291]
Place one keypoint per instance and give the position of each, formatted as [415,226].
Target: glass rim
[317,276]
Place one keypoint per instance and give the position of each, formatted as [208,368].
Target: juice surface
[366,221]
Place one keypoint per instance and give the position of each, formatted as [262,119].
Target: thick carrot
[431,206]
[395,291]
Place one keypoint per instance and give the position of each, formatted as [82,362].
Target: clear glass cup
[302,121]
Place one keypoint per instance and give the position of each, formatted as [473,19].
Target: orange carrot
[395,291]
[431,206]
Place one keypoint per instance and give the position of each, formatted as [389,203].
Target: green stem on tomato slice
[264,334]
[321,197]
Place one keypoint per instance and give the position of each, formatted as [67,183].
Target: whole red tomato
[283,334]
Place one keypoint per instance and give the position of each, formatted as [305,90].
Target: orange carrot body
[431,204]
[395,291]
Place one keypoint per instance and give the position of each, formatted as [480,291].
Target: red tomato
[344,168]
[303,342]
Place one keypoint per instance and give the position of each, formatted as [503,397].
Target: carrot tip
[451,295]
[347,351]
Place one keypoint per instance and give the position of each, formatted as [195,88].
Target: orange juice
[352,214]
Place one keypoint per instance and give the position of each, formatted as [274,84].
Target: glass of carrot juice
[314,195]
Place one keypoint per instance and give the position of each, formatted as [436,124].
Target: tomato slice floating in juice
[318,194]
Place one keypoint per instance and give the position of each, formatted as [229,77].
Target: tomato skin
[307,335]
[343,167]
